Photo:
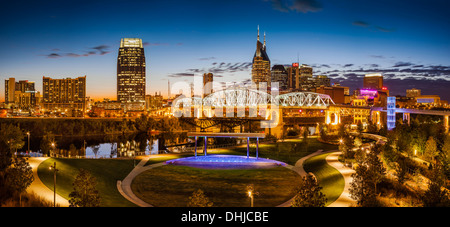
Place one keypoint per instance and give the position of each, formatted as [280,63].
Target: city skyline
[341,39]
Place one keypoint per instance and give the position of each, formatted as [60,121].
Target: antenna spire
[258,32]
[264,39]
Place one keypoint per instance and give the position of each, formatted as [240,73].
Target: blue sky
[408,41]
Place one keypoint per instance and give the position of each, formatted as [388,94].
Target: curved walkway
[124,186]
[344,199]
[39,188]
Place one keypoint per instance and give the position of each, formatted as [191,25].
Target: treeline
[85,127]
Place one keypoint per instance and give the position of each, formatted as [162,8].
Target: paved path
[124,186]
[39,188]
[344,199]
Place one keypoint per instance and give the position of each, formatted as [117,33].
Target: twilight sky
[407,41]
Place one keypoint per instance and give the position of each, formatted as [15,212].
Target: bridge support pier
[407,118]
[446,123]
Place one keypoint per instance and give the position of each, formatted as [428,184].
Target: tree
[436,195]
[309,194]
[430,149]
[19,176]
[199,199]
[13,136]
[360,189]
[84,192]
[376,169]
[46,143]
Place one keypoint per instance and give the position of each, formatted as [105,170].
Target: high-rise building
[261,63]
[10,89]
[373,81]
[64,95]
[322,80]
[293,76]
[207,84]
[22,93]
[131,71]
[413,92]
[280,75]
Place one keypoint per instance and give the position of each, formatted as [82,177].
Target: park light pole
[53,149]
[54,182]
[28,134]
[250,194]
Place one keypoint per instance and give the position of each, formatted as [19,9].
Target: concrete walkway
[124,186]
[344,199]
[298,168]
[39,188]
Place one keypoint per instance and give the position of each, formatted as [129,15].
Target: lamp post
[28,134]
[250,194]
[53,149]
[54,182]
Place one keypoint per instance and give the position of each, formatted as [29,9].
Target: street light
[54,181]
[250,194]
[53,149]
[28,134]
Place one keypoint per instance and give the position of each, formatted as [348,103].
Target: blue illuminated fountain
[226,161]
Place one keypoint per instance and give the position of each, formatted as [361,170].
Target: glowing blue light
[227,161]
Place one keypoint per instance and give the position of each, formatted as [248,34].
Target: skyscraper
[373,81]
[131,71]
[21,93]
[280,75]
[261,63]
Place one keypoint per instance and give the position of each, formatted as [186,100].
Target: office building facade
[21,94]
[64,95]
[131,71]
[373,81]
[261,63]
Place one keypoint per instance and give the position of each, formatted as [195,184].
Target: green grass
[106,172]
[330,179]
[171,185]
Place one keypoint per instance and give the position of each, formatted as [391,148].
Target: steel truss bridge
[238,106]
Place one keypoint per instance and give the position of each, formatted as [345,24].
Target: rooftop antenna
[258,32]
[264,39]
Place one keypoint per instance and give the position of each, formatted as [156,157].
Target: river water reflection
[110,146]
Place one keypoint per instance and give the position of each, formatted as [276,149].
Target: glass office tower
[131,71]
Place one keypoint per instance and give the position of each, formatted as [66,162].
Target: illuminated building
[21,94]
[10,88]
[428,99]
[280,75]
[131,71]
[373,81]
[261,63]
[337,94]
[413,92]
[66,96]
[207,84]
[390,112]
[322,80]
[293,76]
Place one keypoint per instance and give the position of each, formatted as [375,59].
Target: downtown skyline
[341,39]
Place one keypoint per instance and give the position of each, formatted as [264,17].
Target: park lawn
[330,179]
[172,185]
[106,172]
